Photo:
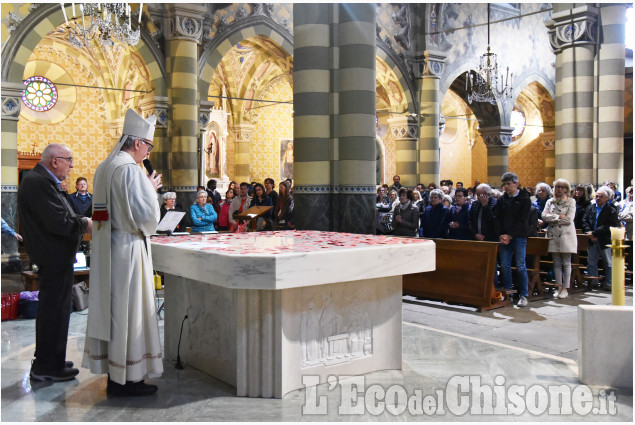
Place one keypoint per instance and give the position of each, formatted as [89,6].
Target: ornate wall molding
[326,189]
[573,27]
[403,128]
[497,136]
[548,140]
[434,63]
[185,28]
[185,22]
[11,100]
[157,105]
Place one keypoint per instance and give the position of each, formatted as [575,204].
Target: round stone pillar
[404,130]
[185,27]
[334,117]
[572,35]
[429,115]
[497,140]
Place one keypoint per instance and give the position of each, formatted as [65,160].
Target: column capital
[243,132]
[157,105]
[433,63]
[548,140]
[573,27]
[497,136]
[11,100]
[204,110]
[185,22]
[403,127]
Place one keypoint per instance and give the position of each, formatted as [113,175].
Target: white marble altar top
[288,259]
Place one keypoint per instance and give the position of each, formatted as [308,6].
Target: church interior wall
[522,43]
[88,112]
[274,123]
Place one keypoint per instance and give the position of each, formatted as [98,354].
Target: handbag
[79,295]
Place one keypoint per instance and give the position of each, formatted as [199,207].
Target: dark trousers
[53,315]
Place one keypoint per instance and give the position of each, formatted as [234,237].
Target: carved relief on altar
[330,335]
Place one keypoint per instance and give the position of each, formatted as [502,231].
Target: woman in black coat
[406,215]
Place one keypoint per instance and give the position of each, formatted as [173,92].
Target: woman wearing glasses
[559,214]
[202,214]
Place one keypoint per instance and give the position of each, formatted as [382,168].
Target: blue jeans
[518,248]
[595,251]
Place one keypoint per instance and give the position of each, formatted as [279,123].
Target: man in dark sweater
[512,227]
[52,233]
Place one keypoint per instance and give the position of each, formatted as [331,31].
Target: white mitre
[134,125]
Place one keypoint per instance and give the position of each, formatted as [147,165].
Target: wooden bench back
[464,274]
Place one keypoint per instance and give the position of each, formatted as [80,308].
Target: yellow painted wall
[84,131]
[273,123]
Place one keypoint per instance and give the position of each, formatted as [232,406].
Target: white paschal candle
[618,233]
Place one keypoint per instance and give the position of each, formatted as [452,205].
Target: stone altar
[263,309]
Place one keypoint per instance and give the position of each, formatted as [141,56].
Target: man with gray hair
[512,227]
[597,221]
[482,215]
[52,233]
[122,333]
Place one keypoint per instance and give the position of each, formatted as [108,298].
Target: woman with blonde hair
[559,214]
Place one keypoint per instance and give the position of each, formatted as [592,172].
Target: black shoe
[130,389]
[607,288]
[69,364]
[64,374]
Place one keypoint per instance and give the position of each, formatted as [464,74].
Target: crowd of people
[509,214]
[212,212]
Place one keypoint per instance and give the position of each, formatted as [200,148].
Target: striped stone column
[158,105]
[404,130]
[610,94]
[242,134]
[497,140]
[11,105]
[334,117]
[548,142]
[430,113]
[185,28]
[572,37]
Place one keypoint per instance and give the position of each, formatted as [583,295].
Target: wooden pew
[464,274]
[579,282]
[536,248]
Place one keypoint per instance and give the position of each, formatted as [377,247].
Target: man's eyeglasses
[150,145]
[69,159]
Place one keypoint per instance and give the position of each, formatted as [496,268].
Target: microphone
[148,165]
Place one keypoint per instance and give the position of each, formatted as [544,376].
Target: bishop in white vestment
[122,334]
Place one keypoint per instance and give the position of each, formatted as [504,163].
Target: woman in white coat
[559,214]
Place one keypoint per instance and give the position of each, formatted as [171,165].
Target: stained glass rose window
[40,94]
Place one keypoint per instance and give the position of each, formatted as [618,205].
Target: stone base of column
[335,212]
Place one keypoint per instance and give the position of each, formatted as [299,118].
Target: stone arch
[49,16]
[488,115]
[386,55]
[242,30]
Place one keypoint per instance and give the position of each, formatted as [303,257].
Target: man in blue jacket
[512,227]
[81,200]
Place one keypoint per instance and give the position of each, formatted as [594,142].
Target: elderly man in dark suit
[597,221]
[52,233]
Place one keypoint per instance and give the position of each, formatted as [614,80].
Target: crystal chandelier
[108,23]
[487,84]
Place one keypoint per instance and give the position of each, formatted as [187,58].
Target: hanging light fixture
[486,84]
[108,23]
